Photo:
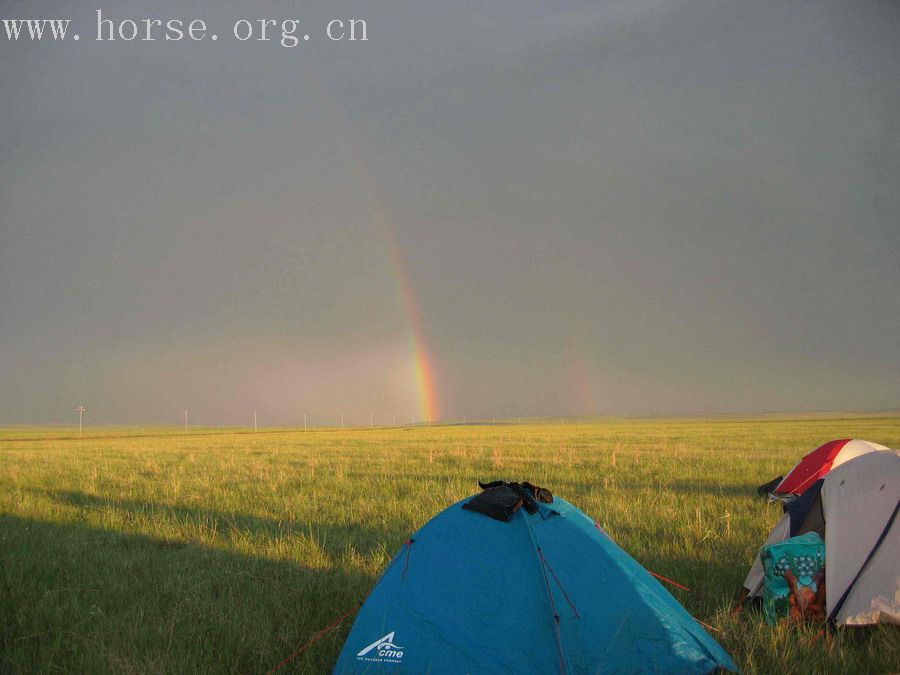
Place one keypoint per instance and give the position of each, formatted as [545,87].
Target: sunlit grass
[151,550]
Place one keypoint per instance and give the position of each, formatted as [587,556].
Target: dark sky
[631,207]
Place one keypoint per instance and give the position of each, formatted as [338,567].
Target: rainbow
[423,361]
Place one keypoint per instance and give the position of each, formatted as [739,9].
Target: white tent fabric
[755,578]
[854,449]
[885,611]
[859,498]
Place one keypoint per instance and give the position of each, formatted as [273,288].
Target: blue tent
[545,592]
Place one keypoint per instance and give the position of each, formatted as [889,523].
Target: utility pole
[395,421]
[255,428]
[185,421]
[80,410]
[342,421]
[304,421]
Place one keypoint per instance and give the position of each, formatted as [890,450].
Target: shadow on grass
[81,599]
[334,538]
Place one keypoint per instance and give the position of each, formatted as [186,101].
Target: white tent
[856,513]
[862,538]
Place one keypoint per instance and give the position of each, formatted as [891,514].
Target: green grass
[148,550]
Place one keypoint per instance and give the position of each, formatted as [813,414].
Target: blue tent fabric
[543,593]
[800,507]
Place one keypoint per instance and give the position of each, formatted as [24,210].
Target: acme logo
[383,649]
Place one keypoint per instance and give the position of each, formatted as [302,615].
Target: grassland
[149,550]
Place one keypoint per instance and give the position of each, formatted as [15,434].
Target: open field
[148,550]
